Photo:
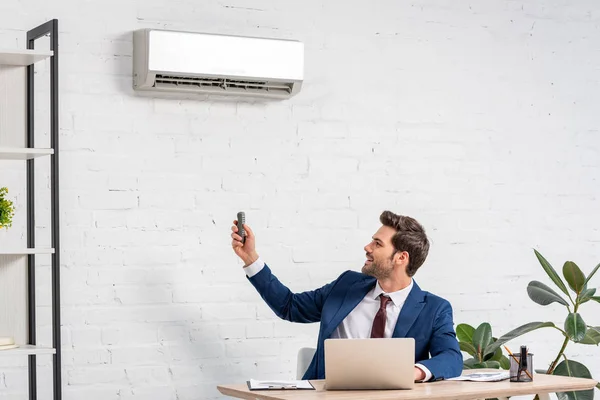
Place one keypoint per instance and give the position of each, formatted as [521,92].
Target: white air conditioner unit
[185,62]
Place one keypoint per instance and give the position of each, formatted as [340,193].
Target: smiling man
[382,301]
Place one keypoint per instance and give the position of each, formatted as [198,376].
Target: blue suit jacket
[424,317]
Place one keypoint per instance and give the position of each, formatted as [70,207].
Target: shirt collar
[398,297]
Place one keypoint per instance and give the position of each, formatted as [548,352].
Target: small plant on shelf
[6,209]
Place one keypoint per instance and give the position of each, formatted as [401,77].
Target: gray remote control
[241,220]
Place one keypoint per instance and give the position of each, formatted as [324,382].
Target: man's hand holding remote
[246,251]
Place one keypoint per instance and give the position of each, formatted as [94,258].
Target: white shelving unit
[16,153]
[18,146]
[23,57]
[26,349]
[25,252]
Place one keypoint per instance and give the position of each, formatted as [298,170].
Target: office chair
[305,356]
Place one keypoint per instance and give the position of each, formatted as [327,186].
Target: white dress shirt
[357,324]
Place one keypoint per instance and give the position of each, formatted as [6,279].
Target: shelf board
[24,252]
[23,153]
[23,57]
[27,349]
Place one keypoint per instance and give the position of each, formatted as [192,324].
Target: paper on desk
[482,377]
[254,384]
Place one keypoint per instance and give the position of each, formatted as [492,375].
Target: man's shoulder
[435,300]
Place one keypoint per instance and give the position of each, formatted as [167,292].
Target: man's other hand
[419,374]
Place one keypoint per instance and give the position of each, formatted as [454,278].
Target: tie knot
[384,300]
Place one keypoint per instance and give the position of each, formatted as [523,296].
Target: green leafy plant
[474,342]
[6,209]
[575,329]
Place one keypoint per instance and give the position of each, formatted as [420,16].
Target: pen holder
[516,373]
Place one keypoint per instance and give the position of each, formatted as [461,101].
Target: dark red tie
[380,318]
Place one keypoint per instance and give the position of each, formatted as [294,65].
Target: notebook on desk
[483,376]
[254,384]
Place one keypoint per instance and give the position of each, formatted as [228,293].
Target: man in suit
[382,301]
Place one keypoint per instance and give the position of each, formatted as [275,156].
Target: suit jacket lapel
[410,311]
[354,295]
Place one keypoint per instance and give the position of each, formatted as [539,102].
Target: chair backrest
[305,356]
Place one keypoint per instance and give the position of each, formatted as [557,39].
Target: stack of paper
[483,377]
[254,384]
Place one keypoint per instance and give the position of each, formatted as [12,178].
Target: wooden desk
[442,390]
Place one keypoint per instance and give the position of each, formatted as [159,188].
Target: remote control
[241,220]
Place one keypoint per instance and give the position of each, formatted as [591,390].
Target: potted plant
[575,294]
[6,209]
[474,342]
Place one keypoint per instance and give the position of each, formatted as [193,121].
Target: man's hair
[410,237]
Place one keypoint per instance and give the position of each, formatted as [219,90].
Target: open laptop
[376,364]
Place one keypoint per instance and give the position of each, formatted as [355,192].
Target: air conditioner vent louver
[225,84]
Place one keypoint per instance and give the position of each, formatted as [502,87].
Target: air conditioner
[186,62]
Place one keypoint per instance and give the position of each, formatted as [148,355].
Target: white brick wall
[477,118]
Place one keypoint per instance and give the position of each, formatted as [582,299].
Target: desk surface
[442,390]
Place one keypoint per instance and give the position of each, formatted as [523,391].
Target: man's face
[380,254]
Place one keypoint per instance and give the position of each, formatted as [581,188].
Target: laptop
[375,364]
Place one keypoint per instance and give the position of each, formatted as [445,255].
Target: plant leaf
[586,295]
[544,295]
[575,327]
[578,370]
[482,338]
[596,298]
[468,348]
[551,272]
[495,356]
[575,278]
[521,330]
[469,363]
[464,333]
[592,336]
[504,362]
[491,364]
[591,274]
